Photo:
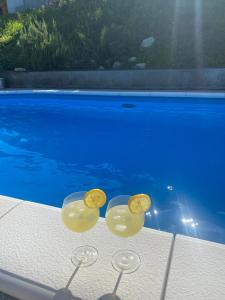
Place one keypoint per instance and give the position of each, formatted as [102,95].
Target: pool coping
[23,288]
[161,94]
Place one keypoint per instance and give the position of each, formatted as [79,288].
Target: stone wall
[203,79]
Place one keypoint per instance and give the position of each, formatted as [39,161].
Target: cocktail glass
[125,217]
[80,213]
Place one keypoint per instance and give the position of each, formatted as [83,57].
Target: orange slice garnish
[95,198]
[139,203]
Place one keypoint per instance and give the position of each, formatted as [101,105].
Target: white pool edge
[144,94]
[26,289]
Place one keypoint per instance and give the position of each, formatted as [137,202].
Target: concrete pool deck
[35,251]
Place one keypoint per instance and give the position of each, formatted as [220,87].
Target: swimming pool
[171,146]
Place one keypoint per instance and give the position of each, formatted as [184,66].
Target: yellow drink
[78,217]
[122,222]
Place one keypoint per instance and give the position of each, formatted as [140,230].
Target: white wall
[13,5]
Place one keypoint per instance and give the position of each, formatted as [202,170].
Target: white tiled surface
[197,271]
[7,203]
[34,244]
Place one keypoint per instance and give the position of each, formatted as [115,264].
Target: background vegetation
[87,34]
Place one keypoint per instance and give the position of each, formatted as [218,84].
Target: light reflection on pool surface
[173,149]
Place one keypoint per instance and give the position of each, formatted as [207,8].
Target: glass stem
[117,283]
[73,275]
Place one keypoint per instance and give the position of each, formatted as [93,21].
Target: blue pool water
[172,148]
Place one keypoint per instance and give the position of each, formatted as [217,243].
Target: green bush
[42,46]
[78,34]
[9,50]
[10,31]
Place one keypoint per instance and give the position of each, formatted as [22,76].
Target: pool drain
[128,105]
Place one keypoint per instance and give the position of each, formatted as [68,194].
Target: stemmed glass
[80,213]
[125,217]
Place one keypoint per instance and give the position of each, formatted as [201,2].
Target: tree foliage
[78,34]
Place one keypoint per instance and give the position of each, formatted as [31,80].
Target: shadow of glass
[65,294]
[109,297]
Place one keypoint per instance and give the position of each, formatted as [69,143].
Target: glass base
[84,256]
[126,261]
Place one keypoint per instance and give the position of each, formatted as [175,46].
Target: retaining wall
[202,79]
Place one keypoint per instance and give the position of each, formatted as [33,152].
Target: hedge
[88,34]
